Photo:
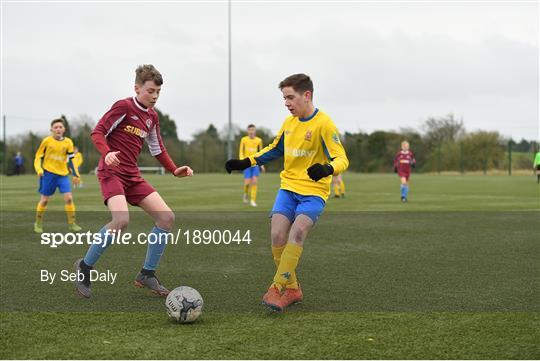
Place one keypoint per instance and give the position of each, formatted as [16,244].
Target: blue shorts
[50,181]
[291,204]
[251,172]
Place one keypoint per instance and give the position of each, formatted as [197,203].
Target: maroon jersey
[124,128]
[403,161]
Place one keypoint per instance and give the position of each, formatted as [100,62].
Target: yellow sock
[276,253]
[70,212]
[253,192]
[40,210]
[246,189]
[342,185]
[336,190]
[287,267]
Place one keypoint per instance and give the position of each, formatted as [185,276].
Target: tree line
[441,144]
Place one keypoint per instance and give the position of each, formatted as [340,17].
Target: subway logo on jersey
[300,152]
[134,130]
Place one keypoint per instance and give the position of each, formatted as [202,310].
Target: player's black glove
[395,169]
[237,164]
[318,171]
[413,165]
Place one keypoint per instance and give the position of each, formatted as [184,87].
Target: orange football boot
[272,299]
[292,296]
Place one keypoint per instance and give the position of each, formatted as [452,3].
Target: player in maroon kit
[119,137]
[403,162]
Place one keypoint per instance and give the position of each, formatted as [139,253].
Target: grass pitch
[454,273]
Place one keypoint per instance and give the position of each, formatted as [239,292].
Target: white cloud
[375,66]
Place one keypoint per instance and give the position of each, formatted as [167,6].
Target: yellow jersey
[55,156]
[303,143]
[249,146]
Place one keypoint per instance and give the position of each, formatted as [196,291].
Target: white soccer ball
[184,304]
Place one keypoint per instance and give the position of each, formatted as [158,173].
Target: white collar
[138,105]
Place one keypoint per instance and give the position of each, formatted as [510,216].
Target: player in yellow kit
[339,186]
[77,162]
[309,142]
[249,145]
[53,163]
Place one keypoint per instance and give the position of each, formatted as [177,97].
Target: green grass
[137,335]
[454,273]
[367,192]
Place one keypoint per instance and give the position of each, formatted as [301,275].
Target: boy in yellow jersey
[77,162]
[309,142]
[51,166]
[249,145]
[339,186]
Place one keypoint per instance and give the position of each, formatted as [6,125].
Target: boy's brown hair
[58,120]
[147,72]
[299,82]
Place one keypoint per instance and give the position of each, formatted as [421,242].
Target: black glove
[318,171]
[395,169]
[237,164]
[413,165]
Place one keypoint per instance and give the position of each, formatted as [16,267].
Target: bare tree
[443,129]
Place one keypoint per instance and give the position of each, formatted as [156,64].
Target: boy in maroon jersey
[119,137]
[403,162]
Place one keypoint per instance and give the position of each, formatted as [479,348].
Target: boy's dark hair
[299,82]
[251,126]
[58,120]
[147,72]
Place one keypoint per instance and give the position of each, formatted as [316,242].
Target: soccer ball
[184,304]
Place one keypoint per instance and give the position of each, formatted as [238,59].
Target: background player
[77,162]
[249,145]
[119,137]
[403,162]
[339,186]
[18,161]
[537,166]
[309,142]
[53,162]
